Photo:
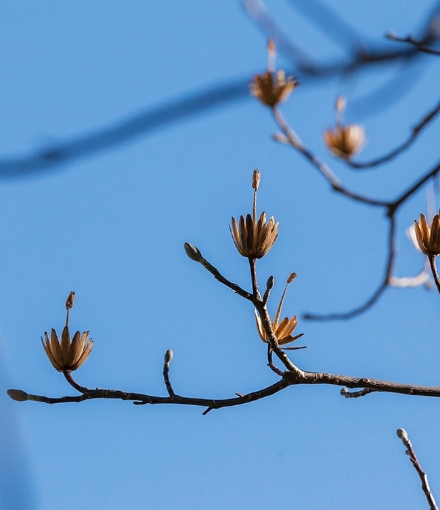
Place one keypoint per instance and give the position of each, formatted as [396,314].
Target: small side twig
[270,363]
[345,392]
[419,44]
[293,140]
[269,285]
[383,285]
[68,376]
[415,462]
[195,254]
[434,271]
[166,369]
[415,131]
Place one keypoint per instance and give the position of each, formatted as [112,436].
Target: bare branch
[294,141]
[419,44]
[433,267]
[166,369]
[218,276]
[415,132]
[141,398]
[376,294]
[183,107]
[415,462]
[345,392]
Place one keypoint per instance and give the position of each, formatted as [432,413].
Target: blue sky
[111,226]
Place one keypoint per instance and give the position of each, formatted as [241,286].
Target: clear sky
[111,226]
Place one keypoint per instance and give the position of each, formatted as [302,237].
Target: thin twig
[218,276]
[393,206]
[383,285]
[415,131]
[420,45]
[415,462]
[433,267]
[68,376]
[253,270]
[345,392]
[324,169]
[270,362]
[166,378]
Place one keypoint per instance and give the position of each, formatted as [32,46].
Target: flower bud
[18,395]
[193,252]
[270,283]
[168,358]
[402,433]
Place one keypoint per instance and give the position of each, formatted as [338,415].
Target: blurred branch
[190,105]
[150,120]
[435,275]
[359,56]
[376,294]
[415,131]
[330,23]
[419,44]
[292,139]
[403,435]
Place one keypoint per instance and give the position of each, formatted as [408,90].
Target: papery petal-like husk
[260,328]
[84,355]
[49,352]
[65,347]
[56,348]
[248,237]
[435,234]
[75,348]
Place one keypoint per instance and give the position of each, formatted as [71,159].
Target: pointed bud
[270,283]
[168,358]
[193,252]
[18,395]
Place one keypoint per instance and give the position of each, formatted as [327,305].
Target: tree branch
[415,462]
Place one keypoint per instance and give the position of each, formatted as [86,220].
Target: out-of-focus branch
[123,131]
[54,156]
[434,271]
[415,131]
[403,435]
[419,44]
[294,141]
[195,254]
[376,294]
[290,138]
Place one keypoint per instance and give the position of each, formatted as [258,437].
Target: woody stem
[431,259]
[72,382]
[253,267]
